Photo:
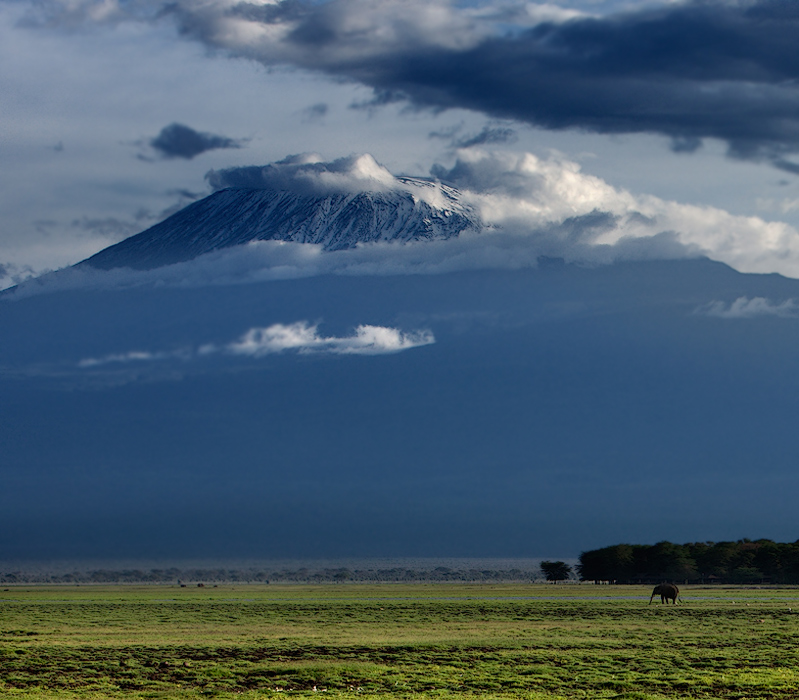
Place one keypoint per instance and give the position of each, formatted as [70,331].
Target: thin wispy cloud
[744,307]
[112,228]
[301,337]
[490,134]
[115,229]
[127,357]
[11,273]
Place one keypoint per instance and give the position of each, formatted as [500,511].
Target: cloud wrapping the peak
[583,217]
[720,69]
[308,174]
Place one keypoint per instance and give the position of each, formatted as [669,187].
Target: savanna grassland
[400,641]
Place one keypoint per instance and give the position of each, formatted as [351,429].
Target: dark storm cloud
[786,165]
[703,69]
[720,69]
[180,141]
[690,72]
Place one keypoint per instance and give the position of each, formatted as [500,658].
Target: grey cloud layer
[724,69]
[690,71]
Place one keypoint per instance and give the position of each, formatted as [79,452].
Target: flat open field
[443,641]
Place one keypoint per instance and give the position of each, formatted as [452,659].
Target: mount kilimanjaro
[234,216]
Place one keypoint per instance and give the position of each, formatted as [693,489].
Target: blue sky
[689,103]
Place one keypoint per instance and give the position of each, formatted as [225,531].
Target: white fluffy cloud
[304,337]
[744,307]
[301,337]
[307,173]
[523,193]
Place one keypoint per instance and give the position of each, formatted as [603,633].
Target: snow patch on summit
[301,199]
[307,174]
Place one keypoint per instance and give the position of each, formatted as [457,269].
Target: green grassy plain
[540,642]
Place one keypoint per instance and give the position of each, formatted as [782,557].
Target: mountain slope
[559,409]
[233,216]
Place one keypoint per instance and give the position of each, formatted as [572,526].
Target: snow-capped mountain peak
[410,209]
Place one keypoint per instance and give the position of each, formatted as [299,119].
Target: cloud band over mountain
[718,69]
[529,207]
[534,206]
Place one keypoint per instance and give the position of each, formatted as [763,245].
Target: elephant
[666,591]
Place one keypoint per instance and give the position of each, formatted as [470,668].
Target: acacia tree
[555,570]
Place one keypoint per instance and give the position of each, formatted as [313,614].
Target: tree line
[744,561]
[299,575]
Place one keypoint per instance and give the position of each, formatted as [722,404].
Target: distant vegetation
[299,575]
[744,561]
[556,570]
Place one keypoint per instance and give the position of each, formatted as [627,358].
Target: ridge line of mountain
[337,221]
